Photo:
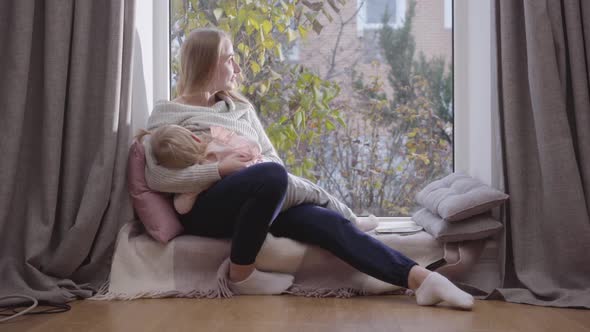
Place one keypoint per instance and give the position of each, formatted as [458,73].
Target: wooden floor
[287,313]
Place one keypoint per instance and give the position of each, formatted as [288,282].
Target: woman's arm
[195,178]
[268,151]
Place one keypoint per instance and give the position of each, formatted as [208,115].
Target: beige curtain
[543,59]
[64,103]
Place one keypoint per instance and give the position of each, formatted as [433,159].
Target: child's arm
[183,203]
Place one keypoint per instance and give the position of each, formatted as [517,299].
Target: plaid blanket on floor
[188,266]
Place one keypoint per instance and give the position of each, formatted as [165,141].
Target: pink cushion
[154,209]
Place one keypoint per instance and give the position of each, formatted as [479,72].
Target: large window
[362,108]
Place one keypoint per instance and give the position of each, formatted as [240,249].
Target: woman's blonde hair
[199,57]
[174,146]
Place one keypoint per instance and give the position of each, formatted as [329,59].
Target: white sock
[437,288]
[262,283]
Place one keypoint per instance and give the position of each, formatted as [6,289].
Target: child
[176,147]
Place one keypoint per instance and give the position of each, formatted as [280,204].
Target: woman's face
[227,69]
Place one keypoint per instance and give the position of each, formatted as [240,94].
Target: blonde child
[176,147]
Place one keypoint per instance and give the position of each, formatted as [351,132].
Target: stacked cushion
[456,208]
[477,227]
[459,196]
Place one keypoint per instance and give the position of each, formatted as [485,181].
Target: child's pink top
[226,142]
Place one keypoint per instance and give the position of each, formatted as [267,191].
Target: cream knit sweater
[242,119]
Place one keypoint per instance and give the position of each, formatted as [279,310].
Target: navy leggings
[245,206]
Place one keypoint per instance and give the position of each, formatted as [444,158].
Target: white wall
[150,59]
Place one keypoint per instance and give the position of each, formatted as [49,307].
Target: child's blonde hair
[174,146]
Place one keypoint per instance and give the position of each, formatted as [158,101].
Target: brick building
[351,39]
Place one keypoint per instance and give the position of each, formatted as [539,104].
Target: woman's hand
[233,163]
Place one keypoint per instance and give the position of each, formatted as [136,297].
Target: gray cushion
[459,196]
[474,228]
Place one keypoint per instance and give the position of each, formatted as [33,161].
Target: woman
[244,203]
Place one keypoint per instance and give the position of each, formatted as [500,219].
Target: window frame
[162,48]
[474,146]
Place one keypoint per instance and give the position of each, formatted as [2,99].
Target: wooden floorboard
[289,313]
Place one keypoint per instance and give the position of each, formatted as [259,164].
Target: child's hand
[232,163]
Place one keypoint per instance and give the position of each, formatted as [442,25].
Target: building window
[377,8]
[293,52]
[448,14]
[371,13]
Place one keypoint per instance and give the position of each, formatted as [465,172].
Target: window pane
[376,8]
[365,113]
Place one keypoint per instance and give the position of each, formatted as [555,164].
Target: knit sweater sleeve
[268,151]
[195,178]
[302,191]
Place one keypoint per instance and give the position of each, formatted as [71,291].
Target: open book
[398,227]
